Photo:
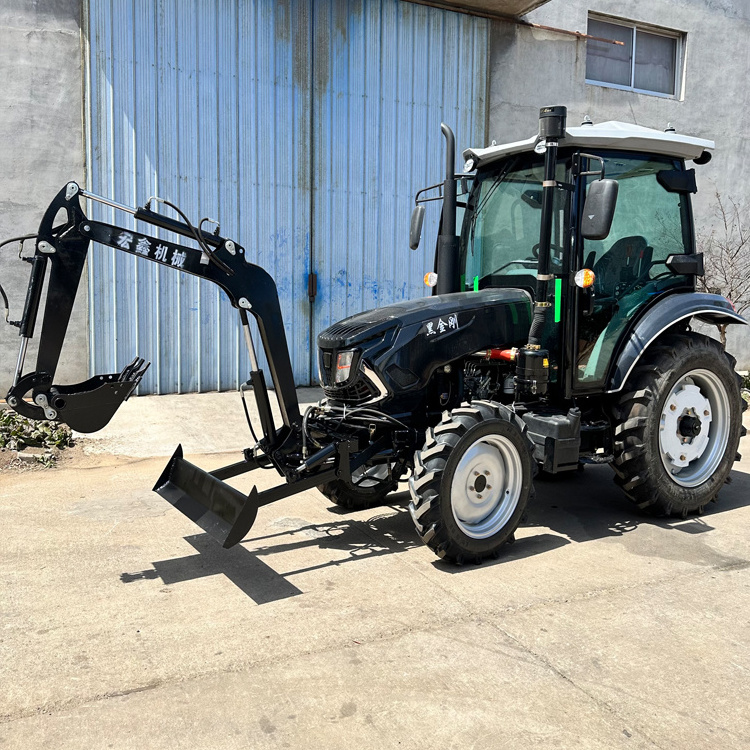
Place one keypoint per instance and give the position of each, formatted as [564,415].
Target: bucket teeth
[134,371]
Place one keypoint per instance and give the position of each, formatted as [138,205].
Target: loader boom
[89,406]
[221,510]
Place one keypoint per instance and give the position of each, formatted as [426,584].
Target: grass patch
[17,433]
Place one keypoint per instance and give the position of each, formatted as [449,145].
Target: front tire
[472,482]
[679,425]
[368,489]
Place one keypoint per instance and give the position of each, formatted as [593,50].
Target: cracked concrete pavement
[122,625]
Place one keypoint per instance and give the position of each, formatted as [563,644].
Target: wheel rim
[694,428]
[366,478]
[486,486]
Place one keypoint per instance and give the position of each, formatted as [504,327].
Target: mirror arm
[600,172]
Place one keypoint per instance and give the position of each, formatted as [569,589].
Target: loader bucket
[89,406]
[220,510]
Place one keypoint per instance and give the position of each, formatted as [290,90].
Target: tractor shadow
[382,533]
[577,508]
[584,506]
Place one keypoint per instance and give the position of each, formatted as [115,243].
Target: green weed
[17,433]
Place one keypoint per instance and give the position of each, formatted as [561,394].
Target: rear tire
[472,482]
[678,426]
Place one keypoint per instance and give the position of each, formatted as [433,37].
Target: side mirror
[599,209]
[415,230]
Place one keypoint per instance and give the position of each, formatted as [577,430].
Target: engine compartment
[417,357]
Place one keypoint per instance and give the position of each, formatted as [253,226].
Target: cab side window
[649,225]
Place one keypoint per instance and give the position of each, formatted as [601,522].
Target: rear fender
[710,308]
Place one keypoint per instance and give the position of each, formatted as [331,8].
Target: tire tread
[430,464]
[632,415]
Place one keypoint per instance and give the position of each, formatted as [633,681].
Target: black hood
[372,323]
[398,348]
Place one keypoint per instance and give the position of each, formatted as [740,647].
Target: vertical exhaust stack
[447,247]
[532,371]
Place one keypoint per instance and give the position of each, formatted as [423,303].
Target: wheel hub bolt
[682,458]
[471,489]
[705,413]
[487,473]
[476,473]
[479,496]
[672,407]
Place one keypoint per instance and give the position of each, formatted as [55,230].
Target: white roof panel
[616,135]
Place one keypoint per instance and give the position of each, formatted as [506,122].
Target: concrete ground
[123,626]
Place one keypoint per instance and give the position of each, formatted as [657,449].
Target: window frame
[679,55]
[513,162]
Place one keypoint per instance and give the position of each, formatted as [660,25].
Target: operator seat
[623,263]
[628,259]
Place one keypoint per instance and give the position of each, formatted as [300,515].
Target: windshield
[500,232]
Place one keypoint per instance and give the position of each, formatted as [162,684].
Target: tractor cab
[599,282]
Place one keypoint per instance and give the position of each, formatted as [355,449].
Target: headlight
[343,366]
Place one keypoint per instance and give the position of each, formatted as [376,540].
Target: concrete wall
[41,147]
[531,68]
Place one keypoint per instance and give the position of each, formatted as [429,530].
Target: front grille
[354,393]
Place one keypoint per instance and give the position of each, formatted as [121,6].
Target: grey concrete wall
[531,68]
[41,147]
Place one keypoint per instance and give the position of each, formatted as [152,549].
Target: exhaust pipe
[447,245]
[532,363]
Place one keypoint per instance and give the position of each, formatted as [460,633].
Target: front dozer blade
[220,510]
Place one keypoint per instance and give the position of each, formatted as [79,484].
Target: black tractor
[558,334]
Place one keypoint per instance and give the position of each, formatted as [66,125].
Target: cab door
[649,225]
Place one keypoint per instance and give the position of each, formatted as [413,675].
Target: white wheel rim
[365,478]
[699,406]
[486,486]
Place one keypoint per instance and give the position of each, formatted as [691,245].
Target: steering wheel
[644,278]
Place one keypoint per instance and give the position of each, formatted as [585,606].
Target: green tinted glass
[500,233]
[649,225]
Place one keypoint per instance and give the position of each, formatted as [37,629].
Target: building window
[647,61]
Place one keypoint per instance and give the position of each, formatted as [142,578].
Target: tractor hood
[398,348]
[371,323]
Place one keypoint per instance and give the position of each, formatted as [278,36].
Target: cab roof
[615,135]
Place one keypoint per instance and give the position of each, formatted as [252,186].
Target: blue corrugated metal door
[206,103]
[304,126]
[385,75]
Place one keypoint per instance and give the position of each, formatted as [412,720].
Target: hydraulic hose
[4,296]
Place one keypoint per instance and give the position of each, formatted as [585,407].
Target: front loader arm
[90,405]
